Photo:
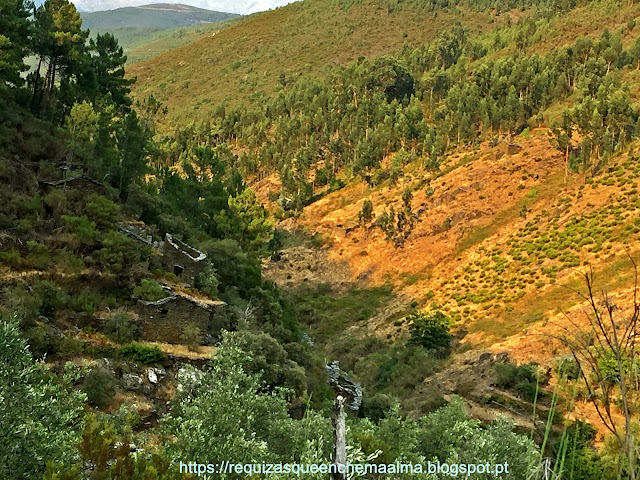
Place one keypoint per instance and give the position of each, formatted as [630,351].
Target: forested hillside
[147,31]
[412,189]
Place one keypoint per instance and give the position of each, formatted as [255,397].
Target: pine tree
[15,34]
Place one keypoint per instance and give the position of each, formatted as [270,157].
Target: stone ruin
[184,261]
[165,319]
[82,183]
[138,233]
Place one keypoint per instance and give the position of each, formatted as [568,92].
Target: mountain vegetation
[147,31]
[121,212]
[160,16]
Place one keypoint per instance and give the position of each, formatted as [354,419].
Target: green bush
[86,301]
[191,336]
[524,379]
[366,213]
[377,406]
[207,282]
[149,290]
[39,255]
[102,211]
[56,200]
[431,331]
[100,387]
[52,297]
[120,327]
[143,353]
[567,367]
[11,258]
[83,230]
[118,252]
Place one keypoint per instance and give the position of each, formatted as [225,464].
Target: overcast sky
[232,6]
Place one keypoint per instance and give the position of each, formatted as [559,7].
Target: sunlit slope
[497,237]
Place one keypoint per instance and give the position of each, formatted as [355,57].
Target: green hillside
[148,31]
[141,44]
[159,16]
[425,209]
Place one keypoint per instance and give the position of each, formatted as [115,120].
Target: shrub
[56,200]
[523,378]
[366,214]
[143,353]
[100,387]
[51,296]
[192,337]
[118,252]
[82,229]
[39,256]
[567,367]
[377,406]
[102,211]
[149,290]
[68,262]
[207,281]
[11,258]
[431,331]
[120,327]
[87,301]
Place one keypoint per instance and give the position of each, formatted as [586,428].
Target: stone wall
[182,260]
[164,320]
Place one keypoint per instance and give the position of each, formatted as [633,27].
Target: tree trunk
[339,440]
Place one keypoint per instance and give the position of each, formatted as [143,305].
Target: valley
[213,225]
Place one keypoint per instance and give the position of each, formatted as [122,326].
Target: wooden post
[339,439]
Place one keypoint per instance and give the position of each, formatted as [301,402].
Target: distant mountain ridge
[228,6]
[159,16]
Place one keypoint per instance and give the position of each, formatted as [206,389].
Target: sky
[232,6]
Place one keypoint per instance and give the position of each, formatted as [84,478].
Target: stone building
[164,320]
[184,261]
[81,183]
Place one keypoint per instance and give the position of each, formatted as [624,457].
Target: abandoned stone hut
[164,320]
[184,261]
[83,183]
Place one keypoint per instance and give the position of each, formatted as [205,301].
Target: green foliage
[143,353]
[39,255]
[100,387]
[207,282]
[83,230]
[192,337]
[523,378]
[268,358]
[106,447]
[14,42]
[11,258]
[567,368]
[40,417]
[120,327]
[102,211]
[431,331]
[118,252]
[149,290]
[327,313]
[51,297]
[366,213]
[224,413]
[83,130]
